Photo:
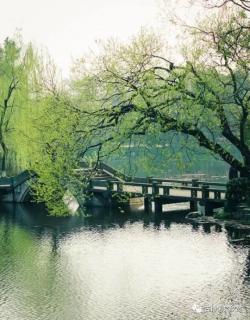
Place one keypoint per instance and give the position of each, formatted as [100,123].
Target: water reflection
[118,266]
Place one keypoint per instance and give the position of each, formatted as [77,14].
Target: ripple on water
[117,273]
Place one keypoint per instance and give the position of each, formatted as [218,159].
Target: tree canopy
[15,67]
[205,98]
[130,94]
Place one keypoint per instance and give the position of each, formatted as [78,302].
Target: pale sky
[69,28]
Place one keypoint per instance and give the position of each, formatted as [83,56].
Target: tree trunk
[4,156]
[245,171]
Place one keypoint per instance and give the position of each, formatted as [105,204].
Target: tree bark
[3,162]
[245,171]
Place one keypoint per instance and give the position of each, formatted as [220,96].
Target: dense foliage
[237,192]
[206,98]
[130,98]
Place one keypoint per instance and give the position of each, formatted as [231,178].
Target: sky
[70,28]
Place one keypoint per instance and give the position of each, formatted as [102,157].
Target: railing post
[147,199]
[110,186]
[119,186]
[217,195]
[155,188]
[195,184]
[193,202]
[158,205]
[205,192]
[166,190]
[205,198]
[149,179]
[144,190]
[147,204]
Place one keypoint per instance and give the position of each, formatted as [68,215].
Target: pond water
[113,266]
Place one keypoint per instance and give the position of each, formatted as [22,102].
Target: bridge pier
[208,209]
[158,205]
[193,205]
[147,204]
[210,206]
[100,200]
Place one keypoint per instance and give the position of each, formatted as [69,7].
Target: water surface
[115,266]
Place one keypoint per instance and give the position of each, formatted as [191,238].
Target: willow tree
[59,131]
[55,159]
[15,66]
[206,98]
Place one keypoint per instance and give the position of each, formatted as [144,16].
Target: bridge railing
[10,183]
[113,172]
[159,190]
[190,182]
[116,174]
[22,177]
